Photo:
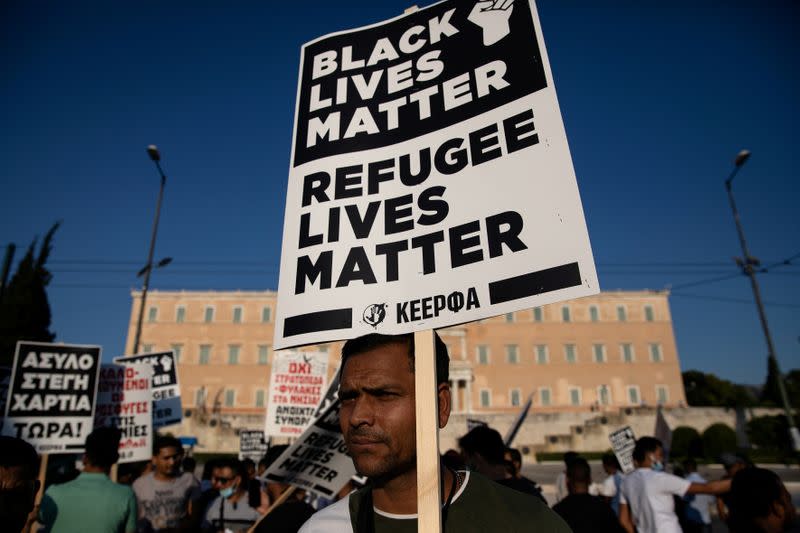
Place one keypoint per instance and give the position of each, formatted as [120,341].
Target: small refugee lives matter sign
[124,401]
[165,389]
[623,441]
[317,461]
[252,444]
[296,387]
[52,395]
[430,181]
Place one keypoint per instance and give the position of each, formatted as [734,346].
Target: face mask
[226,493]
[658,466]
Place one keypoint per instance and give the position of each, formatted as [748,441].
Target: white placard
[52,395]
[125,401]
[430,180]
[166,391]
[623,441]
[296,387]
[252,445]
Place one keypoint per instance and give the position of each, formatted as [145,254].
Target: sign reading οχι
[317,461]
[296,387]
[252,445]
[165,389]
[124,401]
[430,181]
[52,395]
[623,442]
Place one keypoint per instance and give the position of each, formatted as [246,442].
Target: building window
[537,314]
[565,316]
[200,397]
[662,394]
[230,396]
[574,396]
[594,313]
[599,353]
[483,354]
[324,349]
[260,398]
[515,398]
[208,315]
[237,315]
[649,314]
[147,348]
[569,353]
[655,353]
[544,396]
[603,395]
[633,395]
[541,354]
[177,349]
[266,314]
[622,314]
[152,314]
[486,398]
[205,354]
[263,354]
[180,315]
[512,354]
[626,351]
[509,318]
[233,354]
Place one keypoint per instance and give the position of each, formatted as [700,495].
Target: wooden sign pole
[42,477]
[114,473]
[282,498]
[429,505]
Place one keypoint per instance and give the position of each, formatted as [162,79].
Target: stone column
[469,396]
[454,395]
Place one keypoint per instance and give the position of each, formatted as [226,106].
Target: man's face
[224,477]
[377,415]
[168,461]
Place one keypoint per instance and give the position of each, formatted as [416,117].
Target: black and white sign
[52,395]
[623,441]
[166,391]
[252,445]
[317,461]
[431,181]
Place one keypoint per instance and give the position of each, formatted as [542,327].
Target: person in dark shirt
[582,511]
[289,515]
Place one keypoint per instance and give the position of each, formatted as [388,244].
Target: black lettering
[509,236]
[305,228]
[348,182]
[391,250]
[356,267]
[519,131]
[428,202]
[362,226]
[480,145]
[396,208]
[443,153]
[402,312]
[406,177]
[427,243]
[460,240]
[375,174]
[333,224]
[307,270]
[314,186]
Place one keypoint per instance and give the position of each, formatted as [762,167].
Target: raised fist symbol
[492,16]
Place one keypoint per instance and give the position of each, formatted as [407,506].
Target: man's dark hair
[609,459]
[235,465]
[21,456]
[644,446]
[189,464]
[102,446]
[486,442]
[569,457]
[372,341]
[753,493]
[166,441]
[515,455]
[578,471]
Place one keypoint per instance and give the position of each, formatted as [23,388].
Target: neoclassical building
[598,353]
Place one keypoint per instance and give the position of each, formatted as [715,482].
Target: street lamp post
[152,151]
[748,263]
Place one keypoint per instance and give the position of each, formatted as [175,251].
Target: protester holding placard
[92,502]
[166,495]
[378,420]
[18,484]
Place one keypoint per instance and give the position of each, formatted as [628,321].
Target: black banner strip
[533,283]
[74,446]
[319,321]
[324,490]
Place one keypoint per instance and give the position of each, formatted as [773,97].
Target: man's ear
[443,394]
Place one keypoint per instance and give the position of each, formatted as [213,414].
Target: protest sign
[252,445]
[430,180]
[296,387]
[317,461]
[623,442]
[165,389]
[5,383]
[52,395]
[125,401]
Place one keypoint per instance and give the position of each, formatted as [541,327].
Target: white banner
[52,395]
[166,391]
[296,387]
[252,445]
[623,441]
[430,181]
[125,401]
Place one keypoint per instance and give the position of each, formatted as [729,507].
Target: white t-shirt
[648,494]
[698,503]
[609,487]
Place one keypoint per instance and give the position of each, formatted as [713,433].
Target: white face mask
[656,465]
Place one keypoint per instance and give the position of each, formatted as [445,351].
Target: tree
[708,390]
[718,439]
[686,442]
[771,393]
[24,310]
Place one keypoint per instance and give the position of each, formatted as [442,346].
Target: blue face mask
[658,466]
[226,493]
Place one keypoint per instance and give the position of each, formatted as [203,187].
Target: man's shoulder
[334,518]
[143,481]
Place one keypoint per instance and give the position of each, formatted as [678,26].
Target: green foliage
[770,394]
[708,390]
[769,432]
[718,439]
[792,381]
[686,442]
[24,310]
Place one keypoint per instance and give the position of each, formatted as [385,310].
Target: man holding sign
[378,420]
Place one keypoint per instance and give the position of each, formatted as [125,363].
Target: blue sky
[657,100]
